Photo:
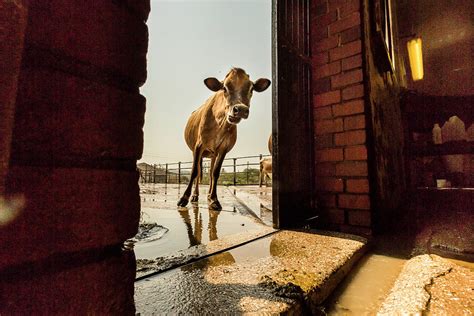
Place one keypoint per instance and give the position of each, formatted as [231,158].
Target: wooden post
[154,173]
[166,174]
[247,172]
[146,172]
[179,172]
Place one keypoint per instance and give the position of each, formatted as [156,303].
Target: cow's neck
[224,129]
[219,110]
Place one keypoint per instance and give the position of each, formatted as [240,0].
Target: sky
[190,40]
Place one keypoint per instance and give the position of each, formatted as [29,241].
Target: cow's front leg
[213,161]
[195,197]
[183,201]
[215,172]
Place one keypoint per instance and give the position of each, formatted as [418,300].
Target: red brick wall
[342,178]
[77,128]
[13,16]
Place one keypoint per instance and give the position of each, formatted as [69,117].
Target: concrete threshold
[431,285]
[289,272]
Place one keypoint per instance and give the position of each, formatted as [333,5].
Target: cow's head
[237,89]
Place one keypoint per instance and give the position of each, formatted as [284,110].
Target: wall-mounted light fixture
[415,55]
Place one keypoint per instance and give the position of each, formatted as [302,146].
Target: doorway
[188,42]
[291,119]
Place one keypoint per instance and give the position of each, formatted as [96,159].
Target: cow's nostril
[236,110]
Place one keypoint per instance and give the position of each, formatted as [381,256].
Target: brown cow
[265,170]
[270,144]
[211,130]
[266,164]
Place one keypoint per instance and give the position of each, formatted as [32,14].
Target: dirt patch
[149,232]
[147,266]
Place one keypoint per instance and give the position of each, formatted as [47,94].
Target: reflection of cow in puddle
[195,236]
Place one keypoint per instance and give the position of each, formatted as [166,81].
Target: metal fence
[235,171]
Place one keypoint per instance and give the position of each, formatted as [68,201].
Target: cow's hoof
[183,202]
[215,205]
[194,199]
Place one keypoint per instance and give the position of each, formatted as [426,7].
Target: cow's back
[270,145]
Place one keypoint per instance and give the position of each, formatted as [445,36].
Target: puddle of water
[189,228]
[259,200]
[364,289]
[166,196]
[252,251]
[196,225]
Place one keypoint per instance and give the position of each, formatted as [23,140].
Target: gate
[292,114]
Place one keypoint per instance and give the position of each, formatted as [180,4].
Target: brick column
[342,181]
[78,129]
[12,31]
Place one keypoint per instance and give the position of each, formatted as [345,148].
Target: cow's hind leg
[183,201]
[195,196]
[215,172]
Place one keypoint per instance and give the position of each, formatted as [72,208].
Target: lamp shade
[416,58]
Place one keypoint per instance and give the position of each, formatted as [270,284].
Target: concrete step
[287,272]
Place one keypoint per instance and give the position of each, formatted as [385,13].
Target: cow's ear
[213,84]
[261,85]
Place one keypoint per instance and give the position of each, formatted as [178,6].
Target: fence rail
[240,173]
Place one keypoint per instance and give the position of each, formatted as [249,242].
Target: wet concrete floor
[369,285]
[431,285]
[171,235]
[197,232]
[258,199]
[188,228]
[286,272]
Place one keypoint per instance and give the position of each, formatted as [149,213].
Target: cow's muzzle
[240,111]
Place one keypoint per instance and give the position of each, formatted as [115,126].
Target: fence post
[166,174]
[154,173]
[247,172]
[235,170]
[179,172]
[146,172]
